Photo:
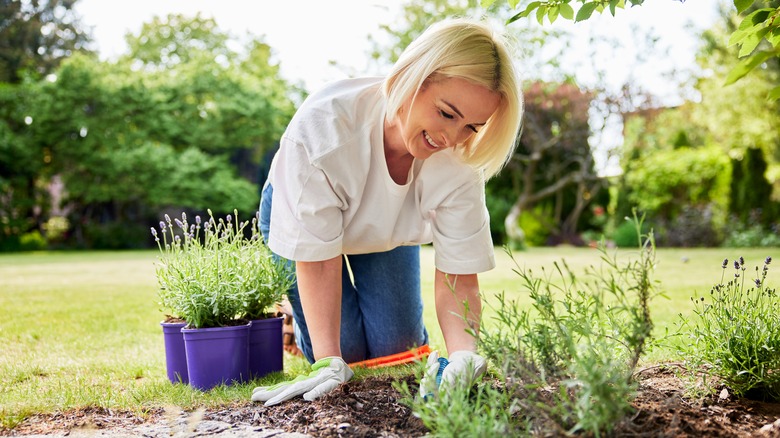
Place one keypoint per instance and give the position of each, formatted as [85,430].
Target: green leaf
[528,9]
[751,42]
[774,94]
[746,65]
[488,3]
[612,6]
[737,37]
[759,16]
[540,13]
[774,37]
[512,3]
[552,13]
[567,11]
[586,11]
[742,5]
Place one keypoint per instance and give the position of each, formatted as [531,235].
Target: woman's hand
[326,375]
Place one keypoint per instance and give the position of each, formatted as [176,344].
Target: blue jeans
[381,311]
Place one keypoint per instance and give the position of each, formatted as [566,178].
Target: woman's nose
[451,137]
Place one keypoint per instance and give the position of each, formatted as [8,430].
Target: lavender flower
[725,263]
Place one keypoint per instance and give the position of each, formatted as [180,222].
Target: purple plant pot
[266,352]
[217,355]
[175,355]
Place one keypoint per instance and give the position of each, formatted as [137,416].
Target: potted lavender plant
[269,280]
[208,274]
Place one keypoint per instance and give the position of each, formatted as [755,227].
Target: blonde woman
[368,170]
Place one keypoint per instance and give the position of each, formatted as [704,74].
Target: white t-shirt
[333,193]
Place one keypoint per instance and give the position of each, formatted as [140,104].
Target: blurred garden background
[94,150]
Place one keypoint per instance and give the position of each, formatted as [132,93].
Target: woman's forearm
[319,288]
[458,328]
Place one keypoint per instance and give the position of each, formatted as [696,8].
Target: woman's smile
[445,113]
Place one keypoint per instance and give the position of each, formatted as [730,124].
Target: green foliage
[553,9]
[536,225]
[751,192]
[416,17]
[583,339]
[736,117]
[498,202]
[221,276]
[626,235]
[735,333]
[663,182]
[36,36]
[180,122]
[565,364]
[751,235]
[758,25]
[479,412]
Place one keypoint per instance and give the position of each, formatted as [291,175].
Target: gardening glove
[464,368]
[434,368]
[326,374]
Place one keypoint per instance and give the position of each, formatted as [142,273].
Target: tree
[35,36]
[758,34]
[553,167]
[135,137]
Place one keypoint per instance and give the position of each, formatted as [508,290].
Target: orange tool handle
[395,359]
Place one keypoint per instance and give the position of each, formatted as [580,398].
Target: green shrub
[563,365]
[626,235]
[482,411]
[751,236]
[116,235]
[32,241]
[533,225]
[735,333]
[569,361]
[211,274]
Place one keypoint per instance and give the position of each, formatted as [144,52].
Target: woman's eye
[473,128]
[446,115]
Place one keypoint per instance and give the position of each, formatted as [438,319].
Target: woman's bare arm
[319,287]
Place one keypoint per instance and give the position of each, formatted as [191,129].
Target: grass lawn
[81,329]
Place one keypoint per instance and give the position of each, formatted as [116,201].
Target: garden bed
[370,408]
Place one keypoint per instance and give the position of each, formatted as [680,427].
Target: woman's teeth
[430,140]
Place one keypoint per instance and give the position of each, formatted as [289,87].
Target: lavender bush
[735,333]
[211,274]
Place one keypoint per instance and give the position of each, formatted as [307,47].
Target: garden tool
[395,359]
[463,368]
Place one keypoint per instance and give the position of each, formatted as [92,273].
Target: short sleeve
[306,214]
[461,232]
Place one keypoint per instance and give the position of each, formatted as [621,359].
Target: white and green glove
[326,374]
[463,368]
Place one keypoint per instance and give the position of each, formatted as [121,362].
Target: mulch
[371,407]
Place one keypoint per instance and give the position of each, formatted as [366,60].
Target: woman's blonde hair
[471,50]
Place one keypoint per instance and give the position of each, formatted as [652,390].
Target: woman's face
[445,113]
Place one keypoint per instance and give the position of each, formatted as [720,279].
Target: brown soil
[371,408]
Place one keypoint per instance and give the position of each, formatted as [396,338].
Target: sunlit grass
[82,329]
